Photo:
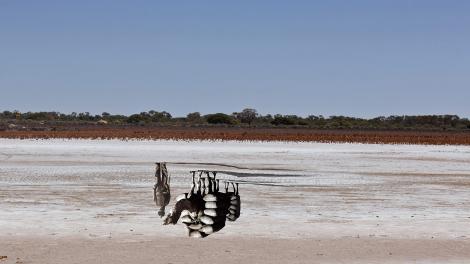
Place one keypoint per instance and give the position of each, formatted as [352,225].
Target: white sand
[293,194]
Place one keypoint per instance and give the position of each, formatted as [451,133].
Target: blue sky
[355,58]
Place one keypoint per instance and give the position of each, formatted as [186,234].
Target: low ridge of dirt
[249,134]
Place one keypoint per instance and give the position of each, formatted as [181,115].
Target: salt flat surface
[98,188]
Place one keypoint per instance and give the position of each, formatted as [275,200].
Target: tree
[286,120]
[194,117]
[135,118]
[17,114]
[159,116]
[247,115]
[220,118]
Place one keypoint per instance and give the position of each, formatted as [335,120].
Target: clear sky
[355,58]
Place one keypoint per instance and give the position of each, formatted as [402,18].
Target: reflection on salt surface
[205,208]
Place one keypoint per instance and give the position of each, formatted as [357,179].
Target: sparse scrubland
[244,125]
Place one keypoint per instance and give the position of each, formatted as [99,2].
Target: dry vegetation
[263,134]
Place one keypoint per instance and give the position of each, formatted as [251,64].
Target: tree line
[249,117]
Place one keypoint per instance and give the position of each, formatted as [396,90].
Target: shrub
[194,117]
[135,118]
[283,120]
[220,118]
[248,115]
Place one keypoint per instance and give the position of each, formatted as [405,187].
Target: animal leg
[199,187]
[203,186]
[209,183]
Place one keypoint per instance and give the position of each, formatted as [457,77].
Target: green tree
[247,115]
[220,118]
[284,120]
[194,117]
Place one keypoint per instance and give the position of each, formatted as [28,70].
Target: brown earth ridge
[247,134]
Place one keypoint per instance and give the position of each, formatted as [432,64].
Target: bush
[194,117]
[283,120]
[135,118]
[247,116]
[220,118]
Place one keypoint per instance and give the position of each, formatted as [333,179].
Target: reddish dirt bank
[263,134]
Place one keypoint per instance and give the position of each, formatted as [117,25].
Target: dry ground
[234,133]
[234,250]
[84,201]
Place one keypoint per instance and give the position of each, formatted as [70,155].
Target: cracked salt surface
[102,188]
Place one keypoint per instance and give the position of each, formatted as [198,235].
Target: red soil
[263,134]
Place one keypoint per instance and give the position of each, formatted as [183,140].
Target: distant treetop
[248,117]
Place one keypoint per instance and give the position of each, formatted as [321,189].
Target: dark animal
[204,209]
[161,189]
